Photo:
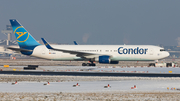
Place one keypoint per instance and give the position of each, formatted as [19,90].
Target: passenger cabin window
[162,49]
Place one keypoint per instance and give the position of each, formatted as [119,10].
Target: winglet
[75,43]
[46,43]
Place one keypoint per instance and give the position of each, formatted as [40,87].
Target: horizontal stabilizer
[19,49]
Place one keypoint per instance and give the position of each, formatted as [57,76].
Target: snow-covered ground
[92,86]
[31,87]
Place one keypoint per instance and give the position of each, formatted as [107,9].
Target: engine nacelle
[105,59]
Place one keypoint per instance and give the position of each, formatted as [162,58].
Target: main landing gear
[88,64]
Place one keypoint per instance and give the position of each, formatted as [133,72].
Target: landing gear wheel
[93,64]
[152,64]
[84,64]
[88,64]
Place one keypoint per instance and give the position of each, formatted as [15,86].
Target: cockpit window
[162,50]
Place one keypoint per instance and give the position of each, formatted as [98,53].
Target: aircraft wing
[77,53]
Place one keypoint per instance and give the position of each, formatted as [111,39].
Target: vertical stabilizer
[23,37]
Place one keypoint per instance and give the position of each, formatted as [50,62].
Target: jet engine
[106,60]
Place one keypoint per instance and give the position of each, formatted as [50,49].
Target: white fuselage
[117,52]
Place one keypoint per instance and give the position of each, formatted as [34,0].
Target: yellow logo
[21,34]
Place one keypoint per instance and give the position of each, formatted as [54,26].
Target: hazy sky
[96,21]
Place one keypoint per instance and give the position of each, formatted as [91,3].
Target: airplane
[104,54]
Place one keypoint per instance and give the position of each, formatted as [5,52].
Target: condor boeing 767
[107,54]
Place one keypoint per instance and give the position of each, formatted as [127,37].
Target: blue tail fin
[24,38]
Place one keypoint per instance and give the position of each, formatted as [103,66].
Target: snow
[92,86]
